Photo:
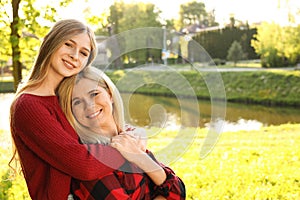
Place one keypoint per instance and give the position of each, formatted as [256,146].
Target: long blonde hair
[65,90]
[62,31]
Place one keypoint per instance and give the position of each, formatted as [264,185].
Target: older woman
[94,107]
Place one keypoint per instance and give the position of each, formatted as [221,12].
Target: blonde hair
[65,90]
[62,31]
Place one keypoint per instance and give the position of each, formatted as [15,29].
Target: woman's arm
[43,131]
[129,147]
[172,188]
[167,184]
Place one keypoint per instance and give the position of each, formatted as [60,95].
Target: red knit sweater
[50,151]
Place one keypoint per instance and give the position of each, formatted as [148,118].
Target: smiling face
[71,57]
[92,105]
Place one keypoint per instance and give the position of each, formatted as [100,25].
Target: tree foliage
[195,13]
[127,16]
[5,50]
[277,45]
[23,25]
[292,47]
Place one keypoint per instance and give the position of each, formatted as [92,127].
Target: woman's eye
[75,103]
[84,53]
[68,44]
[94,94]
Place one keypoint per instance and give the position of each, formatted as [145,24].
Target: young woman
[46,144]
[94,107]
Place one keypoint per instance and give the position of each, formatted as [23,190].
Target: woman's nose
[74,55]
[90,105]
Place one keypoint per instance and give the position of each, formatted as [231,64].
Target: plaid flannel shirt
[129,183]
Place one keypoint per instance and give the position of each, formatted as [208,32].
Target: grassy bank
[6,86]
[261,87]
[262,164]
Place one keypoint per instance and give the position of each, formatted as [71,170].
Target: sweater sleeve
[39,129]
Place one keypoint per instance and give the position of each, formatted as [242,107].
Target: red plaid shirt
[129,182]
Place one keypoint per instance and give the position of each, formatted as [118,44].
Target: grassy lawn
[260,165]
[244,165]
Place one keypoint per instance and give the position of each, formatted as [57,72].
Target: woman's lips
[95,114]
[69,65]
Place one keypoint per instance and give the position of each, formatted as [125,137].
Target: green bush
[5,185]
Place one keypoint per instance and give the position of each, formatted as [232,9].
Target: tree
[129,16]
[15,44]
[277,46]
[24,32]
[101,23]
[123,17]
[5,49]
[292,44]
[235,52]
[195,13]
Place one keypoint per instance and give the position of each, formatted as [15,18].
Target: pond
[172,113]
[146,111]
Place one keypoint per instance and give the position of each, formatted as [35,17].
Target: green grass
[271,88]
[6,86]
[244,165]
[275,87]
[260,165]
[11,187]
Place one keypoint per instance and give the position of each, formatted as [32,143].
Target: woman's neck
[46,88]
[108,130]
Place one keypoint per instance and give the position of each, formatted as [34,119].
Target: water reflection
[173,113]
[147,111]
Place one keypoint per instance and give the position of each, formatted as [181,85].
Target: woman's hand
[128,146]
[141,135]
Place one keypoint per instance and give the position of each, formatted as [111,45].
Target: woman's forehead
[84,84]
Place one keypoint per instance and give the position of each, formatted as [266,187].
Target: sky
[246,10]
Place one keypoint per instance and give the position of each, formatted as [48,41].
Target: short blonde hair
[65,97]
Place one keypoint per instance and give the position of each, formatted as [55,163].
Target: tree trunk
[14,39]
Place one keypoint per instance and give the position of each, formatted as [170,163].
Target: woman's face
[91,104]
[72,56]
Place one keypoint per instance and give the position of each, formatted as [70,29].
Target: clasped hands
[131,143]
